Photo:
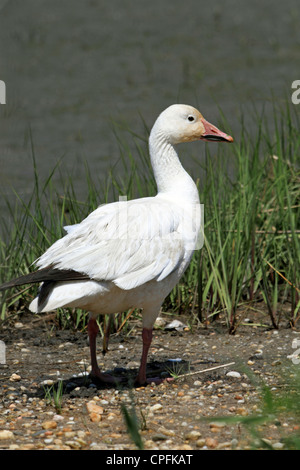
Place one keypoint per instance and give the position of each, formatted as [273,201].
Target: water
[71,68]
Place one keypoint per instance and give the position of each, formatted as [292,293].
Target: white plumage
[133,252]
[135,242]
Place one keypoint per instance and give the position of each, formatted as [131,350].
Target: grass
[133,424]
[54,395]
[250,256]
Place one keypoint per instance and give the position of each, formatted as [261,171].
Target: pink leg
[96,372]
[147,339]
[141,378]
[106,336]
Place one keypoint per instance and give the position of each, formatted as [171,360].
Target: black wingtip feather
[43,275]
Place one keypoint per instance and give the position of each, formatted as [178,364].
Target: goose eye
[191,118]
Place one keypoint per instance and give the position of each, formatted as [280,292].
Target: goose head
[182,123]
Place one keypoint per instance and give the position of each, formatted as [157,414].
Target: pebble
[186,447]
[197,383]
[5,434]
[200,443]
[58,418]
[224,445]
[276,363]
[233,373]
[93,408]
[74,444]
[15,378]
[159,322]
[278,445]
[211,442]
[217,424]
[95,417]
[48,441]
[14,447]
[159,437]
[193,435]
[95,411]
[70,434]
[46,382]
[156,407]
[49,425]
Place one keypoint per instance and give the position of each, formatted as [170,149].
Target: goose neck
[169,174]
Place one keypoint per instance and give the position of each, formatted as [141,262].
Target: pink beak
[213,134]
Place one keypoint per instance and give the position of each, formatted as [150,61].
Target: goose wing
[128,243]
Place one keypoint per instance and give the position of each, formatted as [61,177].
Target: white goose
[130,253]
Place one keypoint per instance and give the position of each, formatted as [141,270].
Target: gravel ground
[177,415]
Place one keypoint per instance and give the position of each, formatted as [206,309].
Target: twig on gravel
[205,370]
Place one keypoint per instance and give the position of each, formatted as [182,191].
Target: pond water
[71,69]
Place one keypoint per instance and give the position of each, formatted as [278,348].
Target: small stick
[205,370]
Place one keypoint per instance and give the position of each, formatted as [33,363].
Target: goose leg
[107,335]
[147,339]
[141,379]
[93,330]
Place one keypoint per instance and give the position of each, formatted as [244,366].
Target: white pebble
[193,435]
[15,378]
[278,445]
[233,373]
[47,382]
[58,418]
[6,435]
[104,402]
[156,407]
[197,383]
[48,441]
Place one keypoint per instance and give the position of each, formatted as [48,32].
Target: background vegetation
[250,258]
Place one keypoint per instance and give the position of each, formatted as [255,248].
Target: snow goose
[130,253]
